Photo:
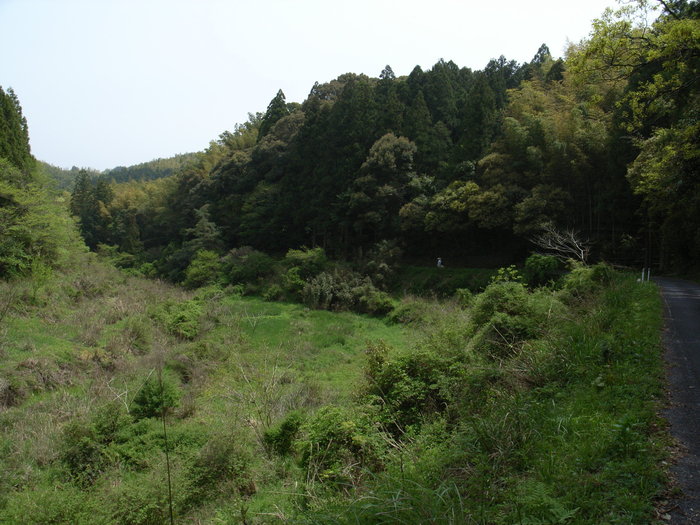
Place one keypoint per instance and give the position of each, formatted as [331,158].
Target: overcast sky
[104,83]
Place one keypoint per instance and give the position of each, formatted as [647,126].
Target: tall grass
[511,407]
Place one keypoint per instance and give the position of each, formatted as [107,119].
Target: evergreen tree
[276,109]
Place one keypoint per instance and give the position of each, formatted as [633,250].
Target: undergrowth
[516,405]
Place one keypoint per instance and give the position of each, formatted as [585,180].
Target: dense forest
[251,334]
[447,161]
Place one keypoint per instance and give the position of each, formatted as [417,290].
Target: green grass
[559,429]
[423,280]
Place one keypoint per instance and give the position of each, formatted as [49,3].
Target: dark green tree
[276,109]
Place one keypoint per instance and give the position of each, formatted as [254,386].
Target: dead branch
[563,244]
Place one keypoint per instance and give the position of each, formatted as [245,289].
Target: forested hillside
[299,363]
[35,231]
[449,161]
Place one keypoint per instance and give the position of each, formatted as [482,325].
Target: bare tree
[563,244]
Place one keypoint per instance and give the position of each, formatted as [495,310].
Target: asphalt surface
[682,344]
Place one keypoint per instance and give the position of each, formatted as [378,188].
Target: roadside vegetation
[513,404]
[238,337]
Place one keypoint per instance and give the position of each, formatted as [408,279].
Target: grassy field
[512,406]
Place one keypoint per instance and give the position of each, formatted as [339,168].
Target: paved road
[682,342]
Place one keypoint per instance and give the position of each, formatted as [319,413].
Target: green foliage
[246,265]
[464,297]
[221,467]
[442,282]
[505,296]
[82,454]
[410,386]
[33,226]
[49,503]
[508,274]
[310,262]
[338,444]
[408,311]
[273,292]
[280,437]
[84,451]
[293,282]
[582,280]
[204,269]
[344,290]
[382,263]
[156,395]
[180,319]
[541,269]
[506,315]
[14,133]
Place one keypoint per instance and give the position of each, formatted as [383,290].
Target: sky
[106,83]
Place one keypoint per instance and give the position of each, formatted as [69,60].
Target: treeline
[35,230]
[447,161]
[65,179]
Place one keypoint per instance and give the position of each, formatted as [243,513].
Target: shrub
[411,385]
[505,315]
[293,282]
[205,268]
[52,503]
[220,466]
[247,265]
[584,280]
[501,296]
[409,311]
[279,438]
[339,444]
[180,319]
[502,335]
[273,292]
[507,274]
[382,262]
[344,290]
[81,453]
[155,396]
[142,498]
[541,269]
[310,262]
[137,334]
[464,297]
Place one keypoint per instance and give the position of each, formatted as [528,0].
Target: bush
[411,385]
[273,292]
[136,335]
[154,397]
[507,274]
[502,335]
[293,282]
[247,265]
[501,296]
[53,503]
[310,262]
[409,311]
[83,448]
[541,269]
[464,297]
[344,290]
[180,319]
[505,315]
[279,438]
[584,280]
[382,262]
[220,466]
[204,269]
[81,453]
[339,444]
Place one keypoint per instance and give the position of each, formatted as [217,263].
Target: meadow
[127,399]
